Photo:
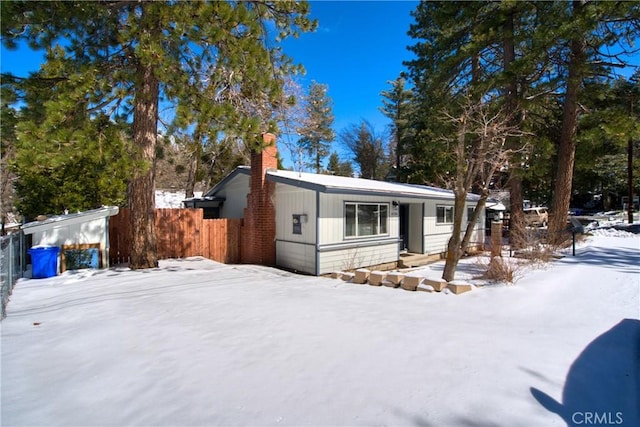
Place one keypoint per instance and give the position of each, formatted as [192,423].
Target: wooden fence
[180,233]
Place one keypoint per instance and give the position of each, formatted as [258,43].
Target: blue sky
[357,48]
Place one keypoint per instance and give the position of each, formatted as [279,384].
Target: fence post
[23,249]
[11,265]
[496,238]
[11,261]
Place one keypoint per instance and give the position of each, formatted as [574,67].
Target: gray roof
[347,185]
[344,185]
[245,170]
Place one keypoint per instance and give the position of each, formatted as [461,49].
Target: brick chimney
[258,231]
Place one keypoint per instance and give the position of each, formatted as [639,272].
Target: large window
[366,219]
[444,214]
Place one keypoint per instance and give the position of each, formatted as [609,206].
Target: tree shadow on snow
[603,383]
[625,260]
[474,269]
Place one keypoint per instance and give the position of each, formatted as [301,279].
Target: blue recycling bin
[44,261]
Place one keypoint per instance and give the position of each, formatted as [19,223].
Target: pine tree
[316,133]
[589,28]
[368,149]
[481,52]
[534,56]
[338,168]
[64,158]
[8,121]
[609,126]
[123,55]
[396,105]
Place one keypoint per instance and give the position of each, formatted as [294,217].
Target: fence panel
[180,233]
[119,237]
[222,240]
[12,265]
[233,241]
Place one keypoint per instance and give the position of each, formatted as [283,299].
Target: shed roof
[69,219]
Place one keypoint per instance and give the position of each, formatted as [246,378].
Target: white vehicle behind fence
[537,217]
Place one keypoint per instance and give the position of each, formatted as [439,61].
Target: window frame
[356,226]
[446,208]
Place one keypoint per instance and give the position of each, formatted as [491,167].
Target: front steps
[411,260]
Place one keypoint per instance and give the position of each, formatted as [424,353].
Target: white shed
[82,232]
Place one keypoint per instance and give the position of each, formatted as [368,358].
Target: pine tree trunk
[144,253]
[567,144]
[516,211]
[5,189]
[630,179]
[194,165]
[191,176]
[516,218]
[509,56]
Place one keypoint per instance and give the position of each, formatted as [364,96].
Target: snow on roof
[342,184]
[68,219]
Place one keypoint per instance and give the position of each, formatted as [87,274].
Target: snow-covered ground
[199,343]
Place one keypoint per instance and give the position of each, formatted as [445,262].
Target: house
[317,224]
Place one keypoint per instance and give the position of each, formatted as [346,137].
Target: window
[444,214]
[297,224]
[366,219]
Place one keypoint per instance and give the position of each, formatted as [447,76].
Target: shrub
[501,270]
[538,248]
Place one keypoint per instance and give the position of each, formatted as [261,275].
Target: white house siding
[479,230]
[235,194]
[70,234]
[360,254]
[339,253]
[296,256]
[295,251]
[437,235]
[332,217]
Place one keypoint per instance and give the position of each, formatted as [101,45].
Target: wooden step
[416,260]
